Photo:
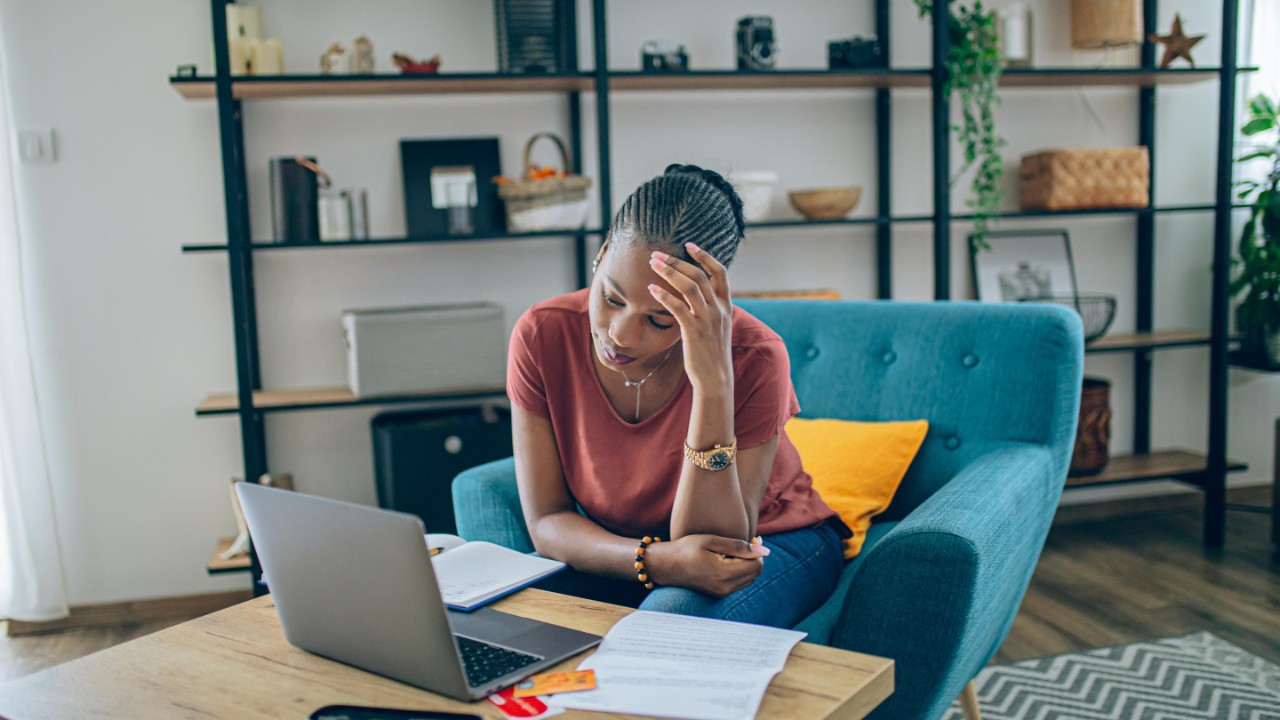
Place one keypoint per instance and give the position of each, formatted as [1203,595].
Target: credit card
[514,707]
[556,682]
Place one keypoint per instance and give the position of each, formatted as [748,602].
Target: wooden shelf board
[287,86]
[1148,340]
[291,86]
[217,565]
[820,79]
[1127,77]
[379,242]
[1162,465]
[318,398]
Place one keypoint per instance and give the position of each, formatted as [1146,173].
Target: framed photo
[1022,264]
[425,206]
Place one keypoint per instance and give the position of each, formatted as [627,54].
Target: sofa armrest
[940,591]
[486,506]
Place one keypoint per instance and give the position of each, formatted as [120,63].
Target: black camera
[855,52]
[757,46]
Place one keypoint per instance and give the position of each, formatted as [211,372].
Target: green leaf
[1257,125]
[1255,155]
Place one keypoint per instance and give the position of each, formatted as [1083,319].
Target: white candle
[268,57]
[244,21]
[238,52]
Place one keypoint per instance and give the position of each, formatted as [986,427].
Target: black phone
[353,712]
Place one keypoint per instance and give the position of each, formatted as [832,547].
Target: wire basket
[1097,310]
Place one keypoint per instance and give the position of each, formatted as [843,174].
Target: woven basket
[553,203]
[1093,433]
[1081,179]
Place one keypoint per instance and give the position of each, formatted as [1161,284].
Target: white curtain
[1263,50]
[32,585]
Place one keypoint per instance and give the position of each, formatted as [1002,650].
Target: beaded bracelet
[641,573]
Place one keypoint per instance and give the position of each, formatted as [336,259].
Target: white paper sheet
[683,667]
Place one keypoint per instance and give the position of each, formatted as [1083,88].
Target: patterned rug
[1196,676]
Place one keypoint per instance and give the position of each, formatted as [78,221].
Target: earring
[595,265]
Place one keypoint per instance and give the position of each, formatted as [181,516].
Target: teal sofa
[944,569]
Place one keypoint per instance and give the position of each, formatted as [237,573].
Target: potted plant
[1257,282]
[973,72]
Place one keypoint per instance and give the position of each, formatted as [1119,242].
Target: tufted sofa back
[974,371]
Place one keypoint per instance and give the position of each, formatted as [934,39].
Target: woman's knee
[681,601]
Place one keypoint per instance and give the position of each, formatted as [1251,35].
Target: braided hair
[684,204]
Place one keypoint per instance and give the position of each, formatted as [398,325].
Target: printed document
[683,667]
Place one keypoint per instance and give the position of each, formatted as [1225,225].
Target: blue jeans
[799,575]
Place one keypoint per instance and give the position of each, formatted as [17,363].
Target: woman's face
[630,329]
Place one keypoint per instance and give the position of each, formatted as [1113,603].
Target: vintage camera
[757,46]
[856,52]
[663,56]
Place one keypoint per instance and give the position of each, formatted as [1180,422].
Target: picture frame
[1021,264]
[425,216]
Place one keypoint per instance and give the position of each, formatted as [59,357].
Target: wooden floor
[1097,584]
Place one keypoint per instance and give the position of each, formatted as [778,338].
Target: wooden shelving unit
[251,403]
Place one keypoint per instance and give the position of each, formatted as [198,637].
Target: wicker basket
[551,203]
[1080,179]
[1093,434]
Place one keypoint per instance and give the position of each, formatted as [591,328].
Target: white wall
[129,333]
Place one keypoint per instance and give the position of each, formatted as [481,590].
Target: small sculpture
[334,60]
[1176,44]
[362,59]
[409,64]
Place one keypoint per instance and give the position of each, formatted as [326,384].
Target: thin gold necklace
[638,383]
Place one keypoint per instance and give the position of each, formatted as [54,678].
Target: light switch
[35,145]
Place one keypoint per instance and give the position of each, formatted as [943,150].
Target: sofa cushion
[820,623]
[856,466]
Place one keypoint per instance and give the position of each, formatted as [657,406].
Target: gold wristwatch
[716,459]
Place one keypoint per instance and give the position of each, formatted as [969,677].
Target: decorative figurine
[362,58]
[1176,44]
[410,64]
[334,60]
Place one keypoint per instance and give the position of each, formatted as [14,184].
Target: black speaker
[416,455]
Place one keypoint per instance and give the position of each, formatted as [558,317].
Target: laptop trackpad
[531,636]
[489,624]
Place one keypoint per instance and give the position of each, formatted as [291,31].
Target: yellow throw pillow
[856,466]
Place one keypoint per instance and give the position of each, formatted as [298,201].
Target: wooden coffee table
[236,664]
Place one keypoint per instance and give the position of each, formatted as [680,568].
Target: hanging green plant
[973,73]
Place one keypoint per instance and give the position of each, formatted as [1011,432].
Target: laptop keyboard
[484,663]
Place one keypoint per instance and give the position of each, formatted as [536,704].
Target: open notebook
[473,574]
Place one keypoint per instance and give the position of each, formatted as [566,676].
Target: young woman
[648,424]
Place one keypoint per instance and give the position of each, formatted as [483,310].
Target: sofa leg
[969,702]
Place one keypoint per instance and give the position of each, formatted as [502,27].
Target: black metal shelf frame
[240,247]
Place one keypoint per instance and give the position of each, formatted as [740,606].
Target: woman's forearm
[709,501]
[583,545]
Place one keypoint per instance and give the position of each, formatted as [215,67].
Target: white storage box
[439,348]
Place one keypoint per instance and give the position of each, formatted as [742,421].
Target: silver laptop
[356,584]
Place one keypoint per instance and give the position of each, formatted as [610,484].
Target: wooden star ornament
[1176,44]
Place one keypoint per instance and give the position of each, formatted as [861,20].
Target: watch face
[718,460]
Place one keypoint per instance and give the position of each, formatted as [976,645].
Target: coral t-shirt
[624,474]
